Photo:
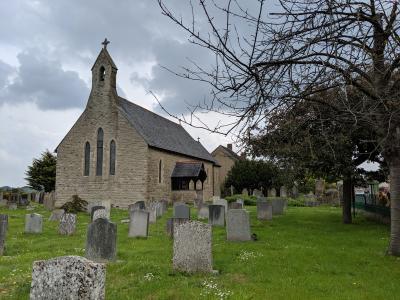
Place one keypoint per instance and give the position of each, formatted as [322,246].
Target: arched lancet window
[102,73]
[99,161]
[112,157]
[159,171]
[87,160]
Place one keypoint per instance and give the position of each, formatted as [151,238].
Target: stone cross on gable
[105,43]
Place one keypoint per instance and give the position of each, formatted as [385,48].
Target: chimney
[229,146]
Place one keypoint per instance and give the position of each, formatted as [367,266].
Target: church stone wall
[226,163]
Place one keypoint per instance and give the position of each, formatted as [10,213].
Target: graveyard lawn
[305,254]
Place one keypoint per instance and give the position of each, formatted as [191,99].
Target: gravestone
[12,206]
[235,205]
[278,206]
[3,203]
[23,200]
[216,215]
[3,232]
[68,277]
[56,215]
[257,193]
[222,202]
[49,201]
[245,192]
[29,196]
[192,250]
[272,192]
[138,205]
[264,210]
[238,225]
[14,198]
[37,197]
[139,223]
[283,191]
[152,214]
[67,224]
[182,211]
[101,241]
[94,208]
[164,206]
[100,213]
[33,223]
[203,212]
[41,198]
[172,222]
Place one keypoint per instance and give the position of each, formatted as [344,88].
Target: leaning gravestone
[192,247]
[56,215]
[235,205]
[3,232]
[203,212]
[33,223]
[238,225]
[101,242]
[222,202]
[172,223]
[264,210]
[67,224]
[139,223]
[68,277]
[216,215]
[100,213]
[278,206]
[93,209]
[182,211]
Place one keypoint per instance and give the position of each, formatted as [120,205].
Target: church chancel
[122,152]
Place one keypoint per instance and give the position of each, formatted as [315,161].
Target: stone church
[121,152]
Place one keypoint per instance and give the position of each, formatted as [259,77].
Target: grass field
[305,254]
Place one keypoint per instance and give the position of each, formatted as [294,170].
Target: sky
[47,49]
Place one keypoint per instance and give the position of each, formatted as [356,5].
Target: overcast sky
[47,49]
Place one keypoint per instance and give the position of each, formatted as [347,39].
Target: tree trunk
[394,168]
[347,199]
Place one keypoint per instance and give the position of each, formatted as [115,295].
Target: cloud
[45,83]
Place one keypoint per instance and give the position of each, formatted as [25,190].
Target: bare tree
[301,49]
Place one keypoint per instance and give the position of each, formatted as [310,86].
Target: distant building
[226,158]
[122,152]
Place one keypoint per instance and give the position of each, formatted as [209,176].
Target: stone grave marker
[152,214]
[101,241]
[272,192]
[257,193]
[222,202]
[67,224]
[68,277]
[245,192]
[33,223]
[235,205]
[49,201]
[216,215]
[171,223]
[283,191]
[100,213]
[264,209]
[3,203]
[164,206]
[138,205]
[23,200]
[3,232]
[182,211]
[139,223]
[93,209]
[192,250]
[12,206]
[203,212]
[238,225]
[277,206]
[56,215]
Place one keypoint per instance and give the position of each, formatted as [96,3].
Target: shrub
[76,205]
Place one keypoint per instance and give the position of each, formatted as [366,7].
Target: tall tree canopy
[42,172]
[302,48]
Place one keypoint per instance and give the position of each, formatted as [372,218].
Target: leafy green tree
[42,173]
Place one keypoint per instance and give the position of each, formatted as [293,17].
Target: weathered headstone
[49,201]
[238,225]
[152,214]
[278,206]
[216,215]
[3,232]
[182,211]
[68,277]
[203,212]
[139,223]
[3,203]
[235,205]
[257,193]
[283,191]
[101,242]
[23,200]
[100,213]
[222,202]
[164,206]
[93,209]
[192,250]
[138,205]
[56,215]
[245,192]
[171,223]
[67,224]
[12,206]
[264,210]
[33,223]
[272,192]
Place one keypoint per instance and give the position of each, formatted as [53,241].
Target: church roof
[161,133]
[187,169]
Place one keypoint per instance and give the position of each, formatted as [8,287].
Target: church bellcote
[104,71]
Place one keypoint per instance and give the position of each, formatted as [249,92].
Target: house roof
[187,169]
[228,151]
[161,133]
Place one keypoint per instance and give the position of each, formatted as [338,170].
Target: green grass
[305,254]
